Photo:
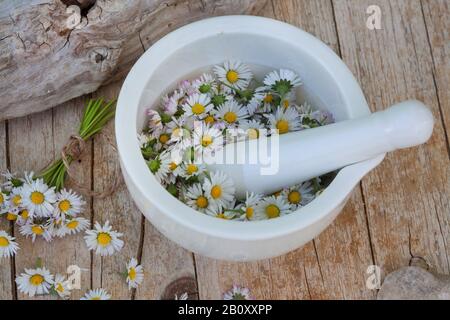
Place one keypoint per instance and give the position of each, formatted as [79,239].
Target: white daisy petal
[97,294]
[271,207]
[61,286]
[35,282]
[102,240]
[135,274]
[38,198]
[219,189]
[8,245]
[234,73]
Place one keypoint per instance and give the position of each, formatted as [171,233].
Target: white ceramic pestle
[310,153]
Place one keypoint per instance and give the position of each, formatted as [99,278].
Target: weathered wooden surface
[407,197]
[399,214]
[80,50]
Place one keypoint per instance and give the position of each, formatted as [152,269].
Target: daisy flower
[74,226]
[186,87]
[4,198]
[34,230]
[205,84]
[234,74]
[15,198]
[252,199]
[68,203]
[103,240]
[288,100]
[160,167]
[38,198]
[282,81]
[12,214]
[9,180]
[251,128]
[191,169]
[284,120]
[171,103]
[255,102]
[237,293]
[135,274]
[97,294]
[207,139]
[23,216]
[219,189]
[271,207]
[197,105]
[299,195]
[35,281]
[231,112]
[154,121]
[143,140]
[180,131]
[8,245]
[221,213]
[196,198]
[61,286]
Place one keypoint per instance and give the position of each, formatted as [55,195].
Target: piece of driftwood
[52,51]
[414,283]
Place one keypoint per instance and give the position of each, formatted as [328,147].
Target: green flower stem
[95,117]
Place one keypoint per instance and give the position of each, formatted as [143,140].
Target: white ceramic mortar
[257,41]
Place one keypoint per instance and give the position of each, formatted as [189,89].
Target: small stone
[414,283]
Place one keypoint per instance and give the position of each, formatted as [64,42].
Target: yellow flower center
[198,108]
[24,214]
[253,133]
[72,224]
[11,216]
[206,140]
[95,298]
[249,212]
[283,126]
[2,199]
[230,117]
[232,76]
[285,103]
[132,273]
[272,211]
[173,166]
[202,202]
[191,169]
[64,205]
[294,197]
[104,239]
[59,287]
[222,216]
[37,230]
[210,120]
[17,199]
[4,242]
[164,138]
[36,279]
[268,98]
[37,197]
[177,132]
[216,192]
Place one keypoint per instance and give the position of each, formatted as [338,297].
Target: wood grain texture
[339,257]
[437,21]
[34,142]
[407,195]
[43,35]
[117,208]
[6,290]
